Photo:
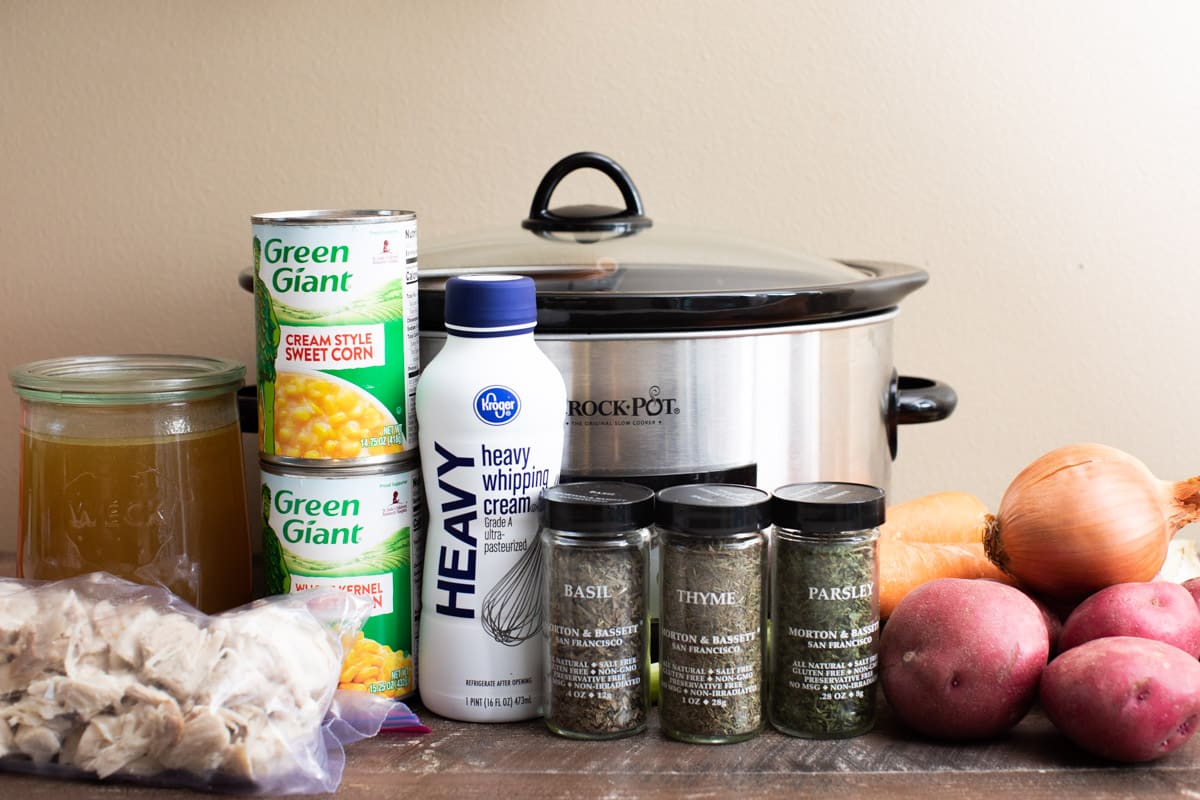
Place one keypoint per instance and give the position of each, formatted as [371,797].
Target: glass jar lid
[126,379]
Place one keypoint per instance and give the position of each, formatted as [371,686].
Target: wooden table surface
[524,761]
[519,761]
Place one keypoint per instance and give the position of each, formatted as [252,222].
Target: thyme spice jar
[596,541]
[713,556]
[824,609]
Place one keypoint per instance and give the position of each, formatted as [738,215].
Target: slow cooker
[691,356]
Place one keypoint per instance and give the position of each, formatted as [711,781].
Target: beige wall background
[1039,159]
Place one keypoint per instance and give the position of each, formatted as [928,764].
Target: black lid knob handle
[593,221]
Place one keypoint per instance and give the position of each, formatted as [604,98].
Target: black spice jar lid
[713,509]
[828,507]
[597,507]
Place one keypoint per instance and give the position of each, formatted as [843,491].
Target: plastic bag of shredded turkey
[102,678]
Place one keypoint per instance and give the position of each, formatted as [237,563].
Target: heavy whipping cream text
[455,586]
[509,486]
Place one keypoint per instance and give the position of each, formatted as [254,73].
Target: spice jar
[596,541]
[713,558]
[824,609]
[132,465]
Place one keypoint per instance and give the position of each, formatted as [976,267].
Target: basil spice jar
[824,609]
[596,540]
[713,557]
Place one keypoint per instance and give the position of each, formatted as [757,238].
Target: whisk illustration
[513,610]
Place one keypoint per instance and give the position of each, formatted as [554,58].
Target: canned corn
[337,334]
[358,529]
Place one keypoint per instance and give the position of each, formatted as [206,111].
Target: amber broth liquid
[169,511]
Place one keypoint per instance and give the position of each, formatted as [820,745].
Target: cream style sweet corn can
[359,529]
[335,299]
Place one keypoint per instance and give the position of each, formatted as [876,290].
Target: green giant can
[358,529]
[337,334]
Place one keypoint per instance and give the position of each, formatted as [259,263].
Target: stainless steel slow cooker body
[763,407]
[692,357]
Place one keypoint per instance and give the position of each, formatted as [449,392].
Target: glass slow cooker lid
[603,269]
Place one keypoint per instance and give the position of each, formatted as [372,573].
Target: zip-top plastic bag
[103,678]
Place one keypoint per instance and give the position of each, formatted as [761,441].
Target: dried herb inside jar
[825,609]
[711,651]
[713,559]
[597,648]
[597,640]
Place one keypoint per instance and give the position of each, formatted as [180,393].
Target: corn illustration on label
[359,531]
[337,334]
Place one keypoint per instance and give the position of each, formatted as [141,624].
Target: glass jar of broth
[132,465]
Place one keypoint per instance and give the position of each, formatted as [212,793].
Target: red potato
[960,658]
[1054,623]
[1159,610]
[1193,586]
[1123,697]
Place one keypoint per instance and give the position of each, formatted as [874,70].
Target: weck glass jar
[132,465]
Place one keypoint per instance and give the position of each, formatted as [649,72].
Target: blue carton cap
[490,305]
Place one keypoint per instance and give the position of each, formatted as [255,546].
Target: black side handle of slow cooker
[915,400]
[247,403]
[543,220]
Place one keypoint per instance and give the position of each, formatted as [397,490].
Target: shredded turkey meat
[131,686]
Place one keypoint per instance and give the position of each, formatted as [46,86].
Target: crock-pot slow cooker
[690,356]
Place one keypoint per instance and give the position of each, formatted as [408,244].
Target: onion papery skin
[1081,518]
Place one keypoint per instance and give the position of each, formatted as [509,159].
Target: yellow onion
[1087,516]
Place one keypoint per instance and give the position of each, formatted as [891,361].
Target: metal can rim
[332,216]
[341,467]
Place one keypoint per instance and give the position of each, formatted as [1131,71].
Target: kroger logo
[497,405]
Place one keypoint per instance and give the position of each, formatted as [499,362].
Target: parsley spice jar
[825,609]
[596,543]
[713,550]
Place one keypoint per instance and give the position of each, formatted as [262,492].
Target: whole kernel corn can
[337,336]
[358,529]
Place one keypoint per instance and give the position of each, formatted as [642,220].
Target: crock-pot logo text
[650,405]
[497,405]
